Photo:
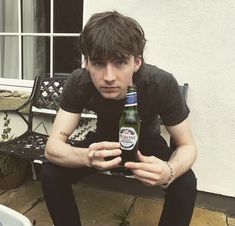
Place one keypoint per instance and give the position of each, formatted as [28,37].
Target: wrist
[87,160]
[81,156]
[171,176]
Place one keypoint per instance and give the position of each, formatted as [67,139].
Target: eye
[98,63]
[120,62]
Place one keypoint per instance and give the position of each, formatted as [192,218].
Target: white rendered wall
[194,40]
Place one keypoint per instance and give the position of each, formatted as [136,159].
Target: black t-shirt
[158,94]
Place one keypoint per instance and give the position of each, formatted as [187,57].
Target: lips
[109,88]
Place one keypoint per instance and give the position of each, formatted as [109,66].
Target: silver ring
[94,157]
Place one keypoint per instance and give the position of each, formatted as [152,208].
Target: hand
[99,151]
[151,170]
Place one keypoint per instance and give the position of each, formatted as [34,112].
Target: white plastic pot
[10,217]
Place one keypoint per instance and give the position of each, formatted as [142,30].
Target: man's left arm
[185,154]
[153,171]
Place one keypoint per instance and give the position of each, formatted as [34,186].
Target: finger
[108,164]
[145,181]
[142,166]
[91,156]
[157,177]
[147,159]
[104,145]
[147,175]
[107,153]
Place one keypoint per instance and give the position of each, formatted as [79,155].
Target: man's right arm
[60,153]
[57,150]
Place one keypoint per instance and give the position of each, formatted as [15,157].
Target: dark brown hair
[111,35]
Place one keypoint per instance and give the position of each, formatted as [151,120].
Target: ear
[137,63]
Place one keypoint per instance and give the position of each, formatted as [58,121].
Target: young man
[112,45]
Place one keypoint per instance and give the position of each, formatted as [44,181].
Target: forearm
[63,154]
[182,159]
[185,154]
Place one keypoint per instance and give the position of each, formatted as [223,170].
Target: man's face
[112,78]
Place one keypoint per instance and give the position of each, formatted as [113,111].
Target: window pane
[68,17]
[9,65]
[36,16]
[66,56]
[8,16]
[36,58]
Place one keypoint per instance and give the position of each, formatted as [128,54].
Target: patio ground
[102,208]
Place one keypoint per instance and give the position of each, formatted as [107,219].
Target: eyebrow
[111,59]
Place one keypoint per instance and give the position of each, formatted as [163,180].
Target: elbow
[54,149]
[47,155]
[194,151]
[49,150]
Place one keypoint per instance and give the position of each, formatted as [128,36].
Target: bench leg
[34,175]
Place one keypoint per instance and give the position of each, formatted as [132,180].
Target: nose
[109,74]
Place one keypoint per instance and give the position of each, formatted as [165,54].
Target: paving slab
[23,198]
[142,212]
[101,208]
[2,191]
[231,221]
[39,215]
[97,207]
[147,212]
[204,217]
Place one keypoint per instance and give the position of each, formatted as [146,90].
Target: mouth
[109,88]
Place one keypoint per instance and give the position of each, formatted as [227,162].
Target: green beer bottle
[129,127]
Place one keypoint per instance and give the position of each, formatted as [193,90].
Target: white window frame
[23,84]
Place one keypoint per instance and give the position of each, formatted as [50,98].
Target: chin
[112,96]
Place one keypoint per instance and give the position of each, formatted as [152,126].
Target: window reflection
[36,60]
[36,16]
[8,16]
[9,65]
[66,57]
[68,17]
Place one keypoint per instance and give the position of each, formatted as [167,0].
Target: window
[38,37]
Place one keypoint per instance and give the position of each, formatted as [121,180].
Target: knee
[186,184]
[51,175]
[189,181]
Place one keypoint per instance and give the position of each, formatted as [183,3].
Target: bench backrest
[47,96]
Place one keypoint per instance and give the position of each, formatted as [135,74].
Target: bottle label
[127,138]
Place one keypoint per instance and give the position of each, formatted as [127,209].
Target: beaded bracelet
[171,176]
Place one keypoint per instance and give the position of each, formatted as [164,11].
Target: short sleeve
[173,107]
[73,98]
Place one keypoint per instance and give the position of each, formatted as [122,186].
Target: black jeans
[57,188]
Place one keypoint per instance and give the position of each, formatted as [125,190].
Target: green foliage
[6,129]
[7,164]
